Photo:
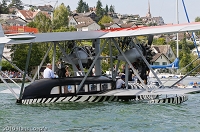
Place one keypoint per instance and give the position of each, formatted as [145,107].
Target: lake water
[98,117]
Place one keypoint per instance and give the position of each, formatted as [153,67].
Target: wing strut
[45,56]
[135,72]
[147,64]
[25,72]
[185,76]
[92,65]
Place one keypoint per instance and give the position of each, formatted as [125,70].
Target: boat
[98,88]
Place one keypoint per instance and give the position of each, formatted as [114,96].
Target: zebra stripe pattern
[87,99]
[171,100]
[140,86]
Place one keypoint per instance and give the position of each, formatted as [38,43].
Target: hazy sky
[164,8]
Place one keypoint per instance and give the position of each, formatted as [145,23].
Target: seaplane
[98,88]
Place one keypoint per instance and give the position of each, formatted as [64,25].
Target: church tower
[148,13]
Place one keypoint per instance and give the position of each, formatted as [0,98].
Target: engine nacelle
[80,55]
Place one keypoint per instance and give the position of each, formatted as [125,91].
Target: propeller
[150,39]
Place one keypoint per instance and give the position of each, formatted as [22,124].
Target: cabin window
[92,87]
[55,90]
[84,88]
[164,63]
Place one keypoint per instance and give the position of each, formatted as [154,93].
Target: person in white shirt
[120,83]
[93,71]
[48,73]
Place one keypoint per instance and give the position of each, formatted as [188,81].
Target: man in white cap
[48,73]
[120,83]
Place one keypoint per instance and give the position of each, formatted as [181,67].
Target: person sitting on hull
[48,73]
[195,85]
[120,83]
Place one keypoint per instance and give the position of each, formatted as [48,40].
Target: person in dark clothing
[61,70]
[130,73]
[143,71]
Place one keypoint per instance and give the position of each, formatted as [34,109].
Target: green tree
[112,9]
[60,17]
[7,66]
[99,10]
[17,4]
[69,10]
[196,63]
[104,19]
[159,41]
[80,6]
[4,8]
[42,23]
[106,10]
[20,52]
[65,29]
[87,8]
[185,57]
[173,46]
[197,19]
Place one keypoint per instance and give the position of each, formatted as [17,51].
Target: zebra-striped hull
[171,100]
[91,98]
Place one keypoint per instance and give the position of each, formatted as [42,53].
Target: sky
[164,8]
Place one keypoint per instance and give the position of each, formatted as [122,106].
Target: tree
[80,6]
[159,41]
[20,52]
[69,10]
[17,3]
[60,17]
[105,19]
[4,8]
[7,66]
[106,10]
[112,9]
[173,46]
[99,10]
[196,63]
[42,23]
[185,57]
[197,19]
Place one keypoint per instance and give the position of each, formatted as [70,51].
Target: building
[160,59]
[82,23]
[111,25]
[164,54]
[27,15]
[149,20]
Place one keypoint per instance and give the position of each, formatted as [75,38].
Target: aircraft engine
[132,54]
[83,53]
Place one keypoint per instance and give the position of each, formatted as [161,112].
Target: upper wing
[165,29]
[85,35]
